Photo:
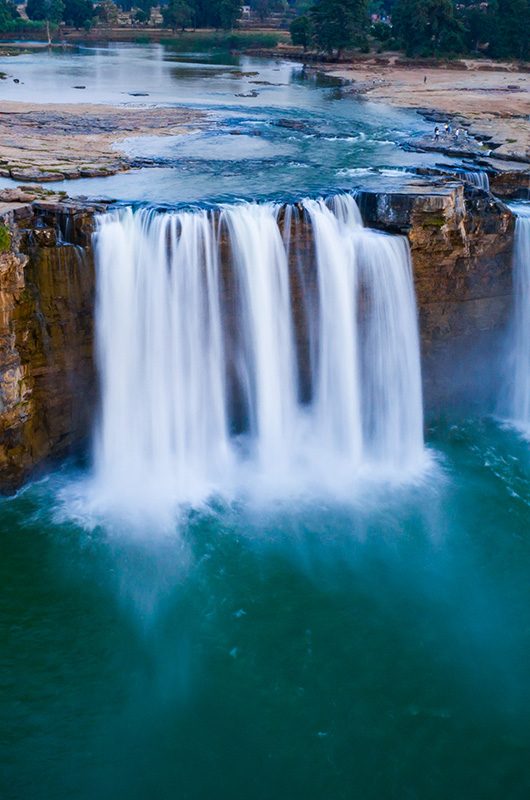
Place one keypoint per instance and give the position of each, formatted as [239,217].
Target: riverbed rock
[17,195]
[35,174]
[96,172]
[511,184]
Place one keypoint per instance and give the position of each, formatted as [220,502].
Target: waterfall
[520,405]
[477,178]
[373,409]
[163,426]
[267,358]
[337,405]
[208,324]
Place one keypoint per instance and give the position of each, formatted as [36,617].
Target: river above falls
[272,129]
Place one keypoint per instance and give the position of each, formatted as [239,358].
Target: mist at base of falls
[261,351]
[289,652]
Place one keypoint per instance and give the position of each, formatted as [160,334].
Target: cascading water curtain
[164,427]
[520,396]
[201,345]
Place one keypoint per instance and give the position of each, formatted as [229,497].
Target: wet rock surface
[47,376]
[72,141]
[491,100]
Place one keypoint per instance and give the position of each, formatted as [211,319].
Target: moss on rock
[5,239]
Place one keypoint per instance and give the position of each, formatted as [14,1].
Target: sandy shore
[51,142]
[493,97]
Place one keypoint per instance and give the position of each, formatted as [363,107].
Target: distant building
[156,18]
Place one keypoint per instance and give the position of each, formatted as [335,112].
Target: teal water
[377,650]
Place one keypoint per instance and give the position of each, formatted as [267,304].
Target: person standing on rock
[436,133]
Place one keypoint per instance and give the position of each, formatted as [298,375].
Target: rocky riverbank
[57,142]
[490,100]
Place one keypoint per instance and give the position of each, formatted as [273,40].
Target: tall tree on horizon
[50,10]
[337,23]
[8,13]
[213,13]
[229,12]
[511,37]
[177,15]
[427,27]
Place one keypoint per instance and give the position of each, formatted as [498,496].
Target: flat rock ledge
[65,142]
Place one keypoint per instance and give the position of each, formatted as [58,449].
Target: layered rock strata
[47,378]
[461,243]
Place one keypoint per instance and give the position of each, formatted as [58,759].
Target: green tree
[382,32]
[479,27]
[8,13]
[201,13]
[177,15]
[301,30]
[427,27]
[36,9]
[262,8]
[107,11]
[511,37]
[51,10]
[145,6]
[229,13]
[337,23]
[78,12]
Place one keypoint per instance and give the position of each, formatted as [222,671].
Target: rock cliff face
[461,241]
[47,380]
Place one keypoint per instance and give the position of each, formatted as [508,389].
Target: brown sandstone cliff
[461,242]
[46,334]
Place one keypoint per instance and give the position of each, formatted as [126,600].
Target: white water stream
[200,354]
[478,178]
[520,396]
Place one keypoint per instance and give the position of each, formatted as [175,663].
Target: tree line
[76,13]
[177,14]
[181,14]
[422,28]
[497,28]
